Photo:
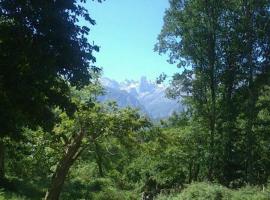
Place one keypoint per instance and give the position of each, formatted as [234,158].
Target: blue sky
[126,31]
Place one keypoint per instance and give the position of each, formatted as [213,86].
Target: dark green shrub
[206,191]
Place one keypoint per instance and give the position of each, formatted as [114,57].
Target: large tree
[91,123]
[191,36]
[42,51]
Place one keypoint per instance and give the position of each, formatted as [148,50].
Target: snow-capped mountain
[149,97]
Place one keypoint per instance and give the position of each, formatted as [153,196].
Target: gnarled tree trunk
[71,154]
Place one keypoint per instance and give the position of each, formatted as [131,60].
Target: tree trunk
[197,171]
[211,51]
[212,121]
[230,167]
[99,159]
[2,161]
[190,172]
[71,154]
[250,140]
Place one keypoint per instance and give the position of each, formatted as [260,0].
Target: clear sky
[127,31]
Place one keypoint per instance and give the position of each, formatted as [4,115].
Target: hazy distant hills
[147,96]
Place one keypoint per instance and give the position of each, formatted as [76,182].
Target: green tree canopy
[42,50]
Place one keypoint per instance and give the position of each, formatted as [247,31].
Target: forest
[57,141]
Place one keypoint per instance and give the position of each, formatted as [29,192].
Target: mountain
[149,97]
[122,97]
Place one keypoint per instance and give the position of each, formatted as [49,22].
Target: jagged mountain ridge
[149,97]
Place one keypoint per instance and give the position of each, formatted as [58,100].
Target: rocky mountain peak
[145,85]
[144,94]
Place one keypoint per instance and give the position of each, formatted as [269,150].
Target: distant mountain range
[149,97]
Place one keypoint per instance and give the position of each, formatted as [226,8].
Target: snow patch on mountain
[148,96]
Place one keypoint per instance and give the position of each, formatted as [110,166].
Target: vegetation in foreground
[199,191]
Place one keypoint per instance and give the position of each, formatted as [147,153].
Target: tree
[190,35]
[91,122]
[42,51]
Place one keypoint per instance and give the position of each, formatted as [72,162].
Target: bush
[200,191]
[113,194]
[250,193]
[10,196]
[206,191]
[96,189]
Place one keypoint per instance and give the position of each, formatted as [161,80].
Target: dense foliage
[223,50]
